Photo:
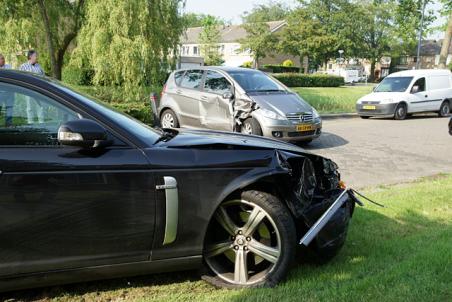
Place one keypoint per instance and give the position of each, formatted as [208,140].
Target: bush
[137,106]
[247,64]
[280,69]
[78,76]
[287,63]
[309,80]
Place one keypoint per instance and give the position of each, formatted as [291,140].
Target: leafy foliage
[272,11]
[197,20]
[129,42]
[49,26]
[209,38]
[309,80]
[260,41]
[288,63]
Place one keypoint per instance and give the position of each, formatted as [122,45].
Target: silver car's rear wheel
[168,119]
[247,244]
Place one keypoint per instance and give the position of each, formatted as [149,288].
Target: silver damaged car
[237,99]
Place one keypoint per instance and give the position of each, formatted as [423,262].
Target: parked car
[403,93]
[89,193]
[237,99]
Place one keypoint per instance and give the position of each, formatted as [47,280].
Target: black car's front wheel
[251,242]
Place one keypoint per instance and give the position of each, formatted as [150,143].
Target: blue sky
[231,10]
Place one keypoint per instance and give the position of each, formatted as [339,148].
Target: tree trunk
[49,39]
[372,70]
[446,43]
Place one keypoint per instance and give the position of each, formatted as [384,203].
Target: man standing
[32,64]
[6,97]
[34,107]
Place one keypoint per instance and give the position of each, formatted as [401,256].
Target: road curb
[333,116]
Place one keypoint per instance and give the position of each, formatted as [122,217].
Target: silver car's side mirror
[228,95]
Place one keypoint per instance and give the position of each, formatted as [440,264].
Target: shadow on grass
[380,259]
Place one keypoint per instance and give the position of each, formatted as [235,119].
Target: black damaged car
[89,193]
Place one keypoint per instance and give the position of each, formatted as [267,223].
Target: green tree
[260,41]
[197,20]
[272,11]
[209,39]
[407,22]
[319,28]
[446,11]
[47,25]
[131,43]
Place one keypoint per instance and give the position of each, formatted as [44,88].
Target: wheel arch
[264,182]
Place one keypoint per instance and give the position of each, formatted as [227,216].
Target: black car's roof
[23,76]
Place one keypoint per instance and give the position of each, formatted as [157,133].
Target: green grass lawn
[399,253]
[333,99]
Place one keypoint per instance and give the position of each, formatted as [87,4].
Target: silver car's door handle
[171,208]
[178,91]
[203,98]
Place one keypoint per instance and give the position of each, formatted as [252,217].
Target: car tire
[444,110]
[268,251]
[401,112]
[364,117]
[168,119]
[251,126]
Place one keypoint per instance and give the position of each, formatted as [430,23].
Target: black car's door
[62,207]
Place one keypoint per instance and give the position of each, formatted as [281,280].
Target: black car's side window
[30,118]
[192,79]
[216,83]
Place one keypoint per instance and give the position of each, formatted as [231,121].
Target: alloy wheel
[168,120]
[244,245]
[247,128]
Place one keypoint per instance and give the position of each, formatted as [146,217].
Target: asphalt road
[384,151]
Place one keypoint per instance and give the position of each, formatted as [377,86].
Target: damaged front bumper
[332,225]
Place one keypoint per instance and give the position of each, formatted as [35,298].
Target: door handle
[426,96]
[171,208]
[179,91]
[203,98]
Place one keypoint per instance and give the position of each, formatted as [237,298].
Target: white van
[402,93]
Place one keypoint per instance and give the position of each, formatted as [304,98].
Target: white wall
[230,52]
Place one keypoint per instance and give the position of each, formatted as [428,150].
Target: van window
[192,79]
[394,84]
[421,84]
[439,82]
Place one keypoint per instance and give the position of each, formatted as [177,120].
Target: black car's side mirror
[228,95]
[82,133]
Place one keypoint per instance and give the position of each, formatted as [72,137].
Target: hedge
[78,76]
[309,80]
[280,68]
[137,106]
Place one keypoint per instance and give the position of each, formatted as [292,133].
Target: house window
[330,66]
[403,60]
[195,50]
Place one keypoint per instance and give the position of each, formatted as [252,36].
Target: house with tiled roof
[229,46]
[429,56]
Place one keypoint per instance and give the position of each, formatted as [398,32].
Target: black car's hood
[208,138]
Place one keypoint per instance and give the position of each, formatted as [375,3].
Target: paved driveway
[385,151]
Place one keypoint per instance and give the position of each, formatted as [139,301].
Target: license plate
[303,128]
[369,107]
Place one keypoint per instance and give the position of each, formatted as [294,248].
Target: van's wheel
[251,126]
[169,119]
[400,112]
[250,242]
[444,110]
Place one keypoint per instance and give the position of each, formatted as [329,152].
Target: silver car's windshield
[394,84]
[255,81]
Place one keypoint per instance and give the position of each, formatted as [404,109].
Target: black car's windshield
[255,81]
[394,84]
[144,132]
